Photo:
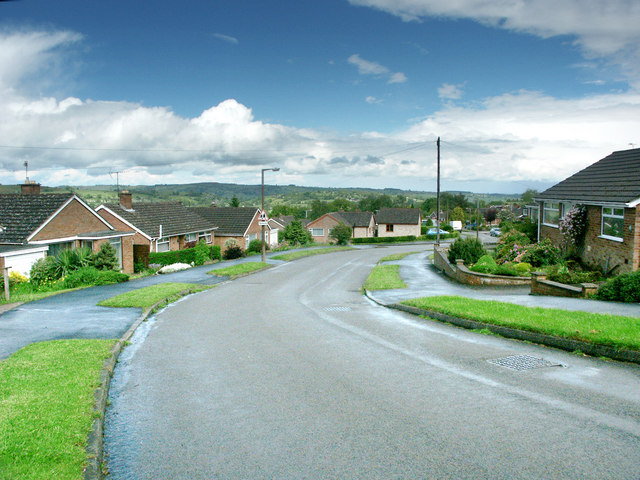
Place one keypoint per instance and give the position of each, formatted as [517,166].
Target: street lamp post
[262,229]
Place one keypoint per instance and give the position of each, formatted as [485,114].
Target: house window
[206,236]
[56,248]
[87,244]
[116,243]
[612,222]
[190,237]
[551,213]
[317,232]
[162,245]
[389,227]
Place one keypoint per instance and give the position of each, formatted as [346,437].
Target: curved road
[292,373]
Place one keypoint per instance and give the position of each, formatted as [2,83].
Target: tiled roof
[231,221]
[175,218]
[353,219]
[21,215]
[407,216]
[614,179]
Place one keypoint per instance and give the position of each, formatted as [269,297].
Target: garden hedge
[407,238]
[186,255]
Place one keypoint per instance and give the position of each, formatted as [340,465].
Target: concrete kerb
[95,441]
[523,335]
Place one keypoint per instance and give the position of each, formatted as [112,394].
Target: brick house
[34,224]
[610,191]
[158,226]
[398,222]
[237,223]
[362,225]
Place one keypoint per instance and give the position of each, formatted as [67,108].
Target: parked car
[434,231]
[495,232]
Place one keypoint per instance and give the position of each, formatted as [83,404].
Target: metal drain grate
[523,362]
[337,309]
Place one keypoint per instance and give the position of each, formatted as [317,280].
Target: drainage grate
[523,362]
[337,309]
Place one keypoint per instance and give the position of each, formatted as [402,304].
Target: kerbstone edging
[95,441]
[524,335]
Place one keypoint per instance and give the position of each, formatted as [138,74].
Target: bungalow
[399,222]
[610,191]
[238,223]
[361,223]
[34,224]
[158,226]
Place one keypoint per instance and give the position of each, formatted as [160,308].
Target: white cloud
[372,100]
[226,38]
[366,67]
[604,29]
[450,92]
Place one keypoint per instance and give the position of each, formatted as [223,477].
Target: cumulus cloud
[450,92]
[372,100]
[366,67]
[604,29]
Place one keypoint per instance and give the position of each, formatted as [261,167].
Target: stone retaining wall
[541,286]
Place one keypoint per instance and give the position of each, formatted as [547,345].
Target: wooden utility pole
[438,197]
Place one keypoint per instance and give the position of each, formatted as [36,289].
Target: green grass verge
[46,408]
[239,269]
[148,296]
[602,329]
[384,277]
[396,256]
[307,253]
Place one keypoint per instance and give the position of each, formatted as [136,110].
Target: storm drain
[523,362]
[337,309]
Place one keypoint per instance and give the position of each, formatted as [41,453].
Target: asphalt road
[292,373]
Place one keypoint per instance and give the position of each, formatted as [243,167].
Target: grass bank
[148,296]
[600,329]
[307,253]
[384,277]
[239,269]
[46,408]
[396,256]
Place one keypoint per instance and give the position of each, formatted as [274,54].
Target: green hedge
[186,255]
[407,238]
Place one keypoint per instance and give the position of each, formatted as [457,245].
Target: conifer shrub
[468,249]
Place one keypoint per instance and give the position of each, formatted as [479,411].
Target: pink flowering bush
[573,227]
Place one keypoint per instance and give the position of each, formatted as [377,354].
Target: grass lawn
[396,256]
[307,253]
[239,269]
[611,330]
[148,296]
[46,408]
[384,277]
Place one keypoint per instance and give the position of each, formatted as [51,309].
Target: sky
[334,93]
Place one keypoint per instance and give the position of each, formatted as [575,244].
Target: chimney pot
[30,188]
[126,200]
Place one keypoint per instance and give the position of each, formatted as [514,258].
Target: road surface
[292,373]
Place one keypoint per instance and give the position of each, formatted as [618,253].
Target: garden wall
[463,275]
[541,286]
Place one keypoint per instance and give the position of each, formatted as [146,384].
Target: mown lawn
[239,269]
[307,253]
[384,277]
[148,296]
[602,329]
[46,408]
[396,256]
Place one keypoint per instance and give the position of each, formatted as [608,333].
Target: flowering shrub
[540,254]
[573,227]
[510,246]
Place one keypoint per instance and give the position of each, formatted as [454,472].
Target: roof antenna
[632,145]
[117,180]
[26,171]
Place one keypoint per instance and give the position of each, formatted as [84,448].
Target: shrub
[255,246]
[485,264]
[186,255]
[296,234]
[106,259]
[506,269]
[541,254]
[573,227]
[16,277]
[447,228]
[202,253]
[469,249]
[523,268]
[87,276]
[216,252]
[510,245]
[341,233]
[43,272]
[233,252]
[623,288]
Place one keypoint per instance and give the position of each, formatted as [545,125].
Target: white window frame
[161,243]
[205,235]
[612,215]
[551,207]
[190,237]
[315,230]
[116,243]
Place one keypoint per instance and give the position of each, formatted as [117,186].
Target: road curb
[523,335]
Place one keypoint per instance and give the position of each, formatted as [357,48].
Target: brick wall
[73,219]
[399,230]
[325,222]
[138,238]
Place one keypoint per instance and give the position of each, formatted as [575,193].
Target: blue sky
[334,92]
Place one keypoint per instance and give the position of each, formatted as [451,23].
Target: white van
[456,224]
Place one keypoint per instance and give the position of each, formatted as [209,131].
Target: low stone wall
[541,286]
[462,274]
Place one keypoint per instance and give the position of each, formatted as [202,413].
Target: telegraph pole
[438,197]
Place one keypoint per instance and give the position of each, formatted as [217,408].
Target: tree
[106,259]
[341,233]
[457,214]
[490,214]
[296,234]
[529,195]
[234,202]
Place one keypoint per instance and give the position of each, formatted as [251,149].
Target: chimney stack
[126,201]
[30,188]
